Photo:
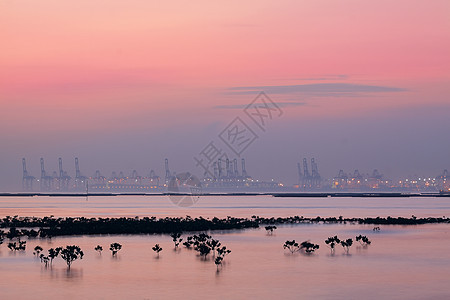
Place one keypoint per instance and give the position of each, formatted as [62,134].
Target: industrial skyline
[226,177]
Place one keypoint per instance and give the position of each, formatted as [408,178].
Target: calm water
[403,262]
[222,206]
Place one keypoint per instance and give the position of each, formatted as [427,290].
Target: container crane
[307,182]
[300,174]
[135,177]
[64,178]
[316,180]
[244,171]
[46,181]
[27,180]
[168,175]
[235,166]
[80,180]
[154,179]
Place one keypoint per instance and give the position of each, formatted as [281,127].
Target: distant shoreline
[69,226]
[293,195]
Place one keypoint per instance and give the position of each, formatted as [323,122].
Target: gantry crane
[46,180]
[27,180]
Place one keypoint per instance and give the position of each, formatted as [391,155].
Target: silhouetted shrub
[53,253]
[363,240]
[50,226]
[13,233]
[37,250]
[218,261]
[99,249]
[292,246]
[157,249]
[115,247]
[223,251]
[213,244]
[176,238]
[189,242]
[308,247]
[17,246]
[203,250]
[270,229]
[44,259]
[347,244]
[202,244]
[70,254]
[332,242]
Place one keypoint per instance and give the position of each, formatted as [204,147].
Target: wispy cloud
[242,106]
[325,89]
[325,77]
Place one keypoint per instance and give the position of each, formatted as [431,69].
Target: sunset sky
[124,84]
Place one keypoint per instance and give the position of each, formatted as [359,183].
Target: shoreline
[276,195]
[48,227]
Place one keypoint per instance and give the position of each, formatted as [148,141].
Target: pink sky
[83,67]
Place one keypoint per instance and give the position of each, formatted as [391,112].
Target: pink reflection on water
[403,262]
[407,262]
[222,206]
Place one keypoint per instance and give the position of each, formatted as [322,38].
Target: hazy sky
[124,84]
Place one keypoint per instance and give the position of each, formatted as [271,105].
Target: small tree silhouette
[200,239]
[292,246]
[13,233]
[22,245]
[270,229]
[37,250]
[115,247]
[189,242]
[363,240]
[203,243]
[203,249]
[309,247]
[53,253]
[176,239]
[44,259]
[223,251]
[12,246]
[213,244]
[70,254]
[347,244]
[17,246]
[218,261]
[157,249]
[99,249]
[332,242]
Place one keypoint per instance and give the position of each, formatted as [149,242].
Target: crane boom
[77,168]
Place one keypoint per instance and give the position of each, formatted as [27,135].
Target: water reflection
[222,206]
[405,262]
[116,258]
[66,274]
[17,253]
[258,266]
